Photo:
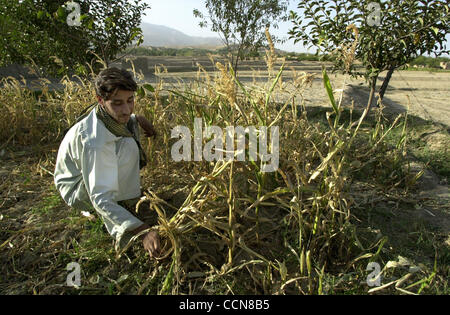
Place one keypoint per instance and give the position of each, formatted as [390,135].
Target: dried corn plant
[228,223]
[235,221]
[270,56]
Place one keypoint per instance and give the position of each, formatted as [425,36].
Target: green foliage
[429,62]
[38,30]
[164,51]
[241,23]
[302,57]
[406,30]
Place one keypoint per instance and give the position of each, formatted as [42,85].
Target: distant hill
[163,36]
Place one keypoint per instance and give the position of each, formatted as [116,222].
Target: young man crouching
[100,157]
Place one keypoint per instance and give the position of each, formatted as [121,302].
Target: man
[100,157]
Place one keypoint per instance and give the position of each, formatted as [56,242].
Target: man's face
[120,106]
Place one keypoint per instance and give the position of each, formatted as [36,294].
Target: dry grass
[226,227]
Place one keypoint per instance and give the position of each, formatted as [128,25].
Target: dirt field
[426,93]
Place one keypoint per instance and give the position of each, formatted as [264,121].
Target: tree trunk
[386,83]
[373,84]
[235,66]
[236,61]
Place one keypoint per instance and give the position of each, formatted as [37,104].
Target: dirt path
[426,94]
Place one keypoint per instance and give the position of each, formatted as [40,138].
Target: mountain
[163,36]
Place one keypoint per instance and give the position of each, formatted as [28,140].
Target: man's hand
[149,131]
[150,240]
[151,244]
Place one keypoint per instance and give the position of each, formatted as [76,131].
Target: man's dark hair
[113,79]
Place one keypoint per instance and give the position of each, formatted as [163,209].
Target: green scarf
[121,130]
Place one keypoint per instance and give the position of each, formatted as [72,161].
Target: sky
[177,14]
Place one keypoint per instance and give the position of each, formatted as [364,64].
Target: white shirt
[96,168]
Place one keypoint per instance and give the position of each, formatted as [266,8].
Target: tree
[386,34]
[40,30]
[241,23]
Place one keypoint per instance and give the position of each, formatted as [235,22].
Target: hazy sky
[177,14]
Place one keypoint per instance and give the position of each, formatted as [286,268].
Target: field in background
[424,93]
